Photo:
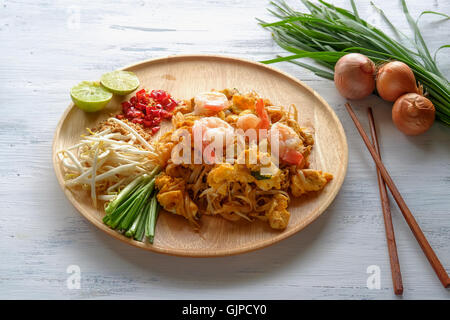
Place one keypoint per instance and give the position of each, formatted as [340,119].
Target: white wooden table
[48,46]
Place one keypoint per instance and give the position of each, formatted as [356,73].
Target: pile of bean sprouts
[106,161]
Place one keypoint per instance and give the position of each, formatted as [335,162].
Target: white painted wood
[44,52]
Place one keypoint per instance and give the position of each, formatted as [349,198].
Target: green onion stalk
[135,209]
[328,32]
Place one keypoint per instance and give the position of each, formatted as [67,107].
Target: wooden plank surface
[46,49]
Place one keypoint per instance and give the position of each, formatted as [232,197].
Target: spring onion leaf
[134,210]
[141,224]
[151,219]
[258,176]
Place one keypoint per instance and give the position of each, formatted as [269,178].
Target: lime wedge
[120,82]
[90,96]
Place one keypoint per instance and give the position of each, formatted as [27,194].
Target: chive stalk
[151,219]
[124,193]
[140,230]
[133,229]
[134,210]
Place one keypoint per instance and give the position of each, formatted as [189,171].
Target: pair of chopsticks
[385,179]
[388,226]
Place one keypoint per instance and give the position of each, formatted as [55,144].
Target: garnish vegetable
[413,114]
[90,96]
[134,211]
[149,109]
[328,32]
[93,96]
[394,79]
[105,161]
[120,82]
[354,76]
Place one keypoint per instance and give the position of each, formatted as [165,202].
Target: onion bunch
[328,33]
[355,78]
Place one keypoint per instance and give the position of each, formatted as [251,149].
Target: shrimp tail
[262,114]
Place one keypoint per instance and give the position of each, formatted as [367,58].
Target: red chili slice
[155,129]
[150,113]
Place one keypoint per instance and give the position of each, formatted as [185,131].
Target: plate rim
[210,252]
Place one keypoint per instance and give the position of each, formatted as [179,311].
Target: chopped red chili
[148,109]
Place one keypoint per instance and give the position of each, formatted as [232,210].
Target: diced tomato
[292,157]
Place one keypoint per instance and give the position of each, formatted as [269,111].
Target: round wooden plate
[184,76]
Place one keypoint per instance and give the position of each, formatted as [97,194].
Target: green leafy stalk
[131,232]
[129,211]
[140,230]
[328,32]
[124,194]
[129,189]
[137,207]
[151,219]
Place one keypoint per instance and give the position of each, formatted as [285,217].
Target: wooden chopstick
[412,223]
[388,226]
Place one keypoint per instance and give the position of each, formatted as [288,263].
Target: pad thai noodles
[226,154]
[237,156]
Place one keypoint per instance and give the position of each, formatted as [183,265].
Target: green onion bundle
[135,209]
[328,32]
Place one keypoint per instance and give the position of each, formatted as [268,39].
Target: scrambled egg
[219,177]
[243,102]
[279,217]
[307,180]
[253,187]
[173,197]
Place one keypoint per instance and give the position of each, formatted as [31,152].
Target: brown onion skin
[413,114]
[354,76]
[395,79]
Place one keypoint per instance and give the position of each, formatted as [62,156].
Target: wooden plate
[184,76]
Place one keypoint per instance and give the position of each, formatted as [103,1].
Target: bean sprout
[105,161]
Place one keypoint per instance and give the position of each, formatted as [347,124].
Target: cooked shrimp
[248,121]
[210,103]
[212,129]
[251,121]
[262,114]
[288,144]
